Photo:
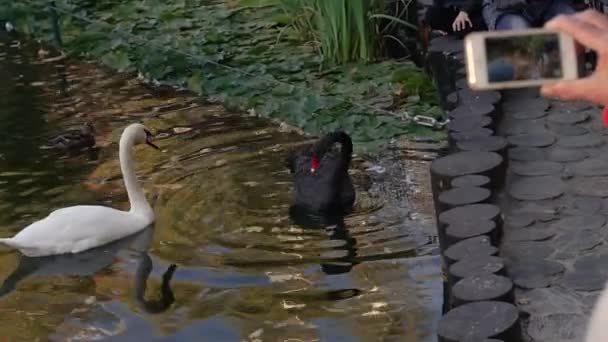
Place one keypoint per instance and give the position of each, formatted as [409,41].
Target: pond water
[221,196]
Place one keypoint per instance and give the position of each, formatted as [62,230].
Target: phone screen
[523,58]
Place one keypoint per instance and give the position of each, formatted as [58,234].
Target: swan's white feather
[75,229]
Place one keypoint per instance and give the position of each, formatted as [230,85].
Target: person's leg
[512,22]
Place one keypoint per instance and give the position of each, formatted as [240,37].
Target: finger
[581,31]
[581,89]
[470,23]
[594,18]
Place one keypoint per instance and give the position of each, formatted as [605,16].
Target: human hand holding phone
[589,28]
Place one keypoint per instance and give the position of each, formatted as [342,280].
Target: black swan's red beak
[314,165]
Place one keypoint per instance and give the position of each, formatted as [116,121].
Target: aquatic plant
[240,54]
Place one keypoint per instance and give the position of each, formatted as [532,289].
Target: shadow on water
[250,267]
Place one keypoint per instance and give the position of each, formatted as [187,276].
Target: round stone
[526,127]
[482,287]
[476,266]
[580,222]
[529,234]
[468,123]
[468,213]
[583,206]
[474,133]
[590,186]
[479,109]
[470,180]
[537,104]
[536,168]
[537,188]
[465,163]
[465,230]
[589,273]
[470,248]
[529,114]
[557,327]
[575,242]
[591,167]
[462,196]
[567,130]
[484,144]
[532,140]
[526,153]
[478,321]
[524,251]
[520,220]
[560,154]
[472,96]
[568,118]
[532,274]
[585,140]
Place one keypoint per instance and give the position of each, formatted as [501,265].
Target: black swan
[321,180]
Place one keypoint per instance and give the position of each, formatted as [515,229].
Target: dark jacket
[469,6]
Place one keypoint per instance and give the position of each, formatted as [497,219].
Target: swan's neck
[137,199]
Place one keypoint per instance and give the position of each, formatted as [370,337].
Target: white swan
[597,327]
[76,229]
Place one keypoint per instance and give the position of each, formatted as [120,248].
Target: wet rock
[572,243]
[537,188]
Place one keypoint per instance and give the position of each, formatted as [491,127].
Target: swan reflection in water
[94,260]
[335,227]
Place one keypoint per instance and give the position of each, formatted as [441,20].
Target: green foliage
[344,30]
[241,56]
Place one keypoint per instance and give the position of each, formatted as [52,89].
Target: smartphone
[519,59]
